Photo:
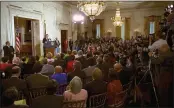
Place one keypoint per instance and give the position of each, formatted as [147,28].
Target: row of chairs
[95,101]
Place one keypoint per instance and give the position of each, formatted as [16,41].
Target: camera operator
[164,74]
[170,32]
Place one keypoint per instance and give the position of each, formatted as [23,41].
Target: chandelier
[91,8]
[117,20]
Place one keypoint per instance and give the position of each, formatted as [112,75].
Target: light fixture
[78,18]
[169,8]
[91,8]
[117,20]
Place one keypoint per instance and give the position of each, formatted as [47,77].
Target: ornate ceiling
[111,5]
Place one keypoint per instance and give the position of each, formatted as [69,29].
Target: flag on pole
[18,41]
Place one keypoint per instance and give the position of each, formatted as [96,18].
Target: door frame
[24,14]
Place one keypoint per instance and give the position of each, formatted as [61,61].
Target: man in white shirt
[157,44]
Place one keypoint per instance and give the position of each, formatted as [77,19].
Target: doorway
[64,42]
[29,34]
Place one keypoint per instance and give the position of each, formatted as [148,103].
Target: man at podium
[44,41]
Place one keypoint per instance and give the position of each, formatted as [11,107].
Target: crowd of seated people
[104,70]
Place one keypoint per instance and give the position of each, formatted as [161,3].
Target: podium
[50,47]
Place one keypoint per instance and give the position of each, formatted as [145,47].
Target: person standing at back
[8,51]
[44,41]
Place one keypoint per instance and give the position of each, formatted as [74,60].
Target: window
[98,31]
[152,28]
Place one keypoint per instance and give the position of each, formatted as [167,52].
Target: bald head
[164,48]
[117,67]
[58,69]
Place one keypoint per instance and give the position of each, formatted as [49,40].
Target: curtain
[127,28]
[147,21]
[157,26]
[118,31]
[146,26]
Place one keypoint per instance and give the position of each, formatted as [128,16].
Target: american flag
[18,41]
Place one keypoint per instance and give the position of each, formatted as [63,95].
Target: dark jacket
[14,81]
[78,73]
[37,67]
[28,68]
[96,87]
[37,80]
[124,76]
[106,67]
[9,52]
[48,101]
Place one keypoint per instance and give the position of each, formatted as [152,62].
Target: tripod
[153,85]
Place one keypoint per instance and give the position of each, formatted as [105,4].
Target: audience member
[106,66]
[47,66]
[8,70]
[69,64]
[75,91]
[59,76]
[14,80]
[114,87]
[4,63]
[49,57]
[37,80]
[29,66]
[8,98]
[82,59]
[51,100]
[97,86]
[123,75]
[99,64]
[37,66]
[77,71]
[58,61]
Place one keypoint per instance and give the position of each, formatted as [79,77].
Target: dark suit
[37,80]
[71,44]
[124,76]
[44,41]
[96,87]
[9,52]
[78,73]
[48,101]
[14,81]
[106,67]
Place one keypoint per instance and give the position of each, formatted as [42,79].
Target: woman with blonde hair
[74,91]
[49,57]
